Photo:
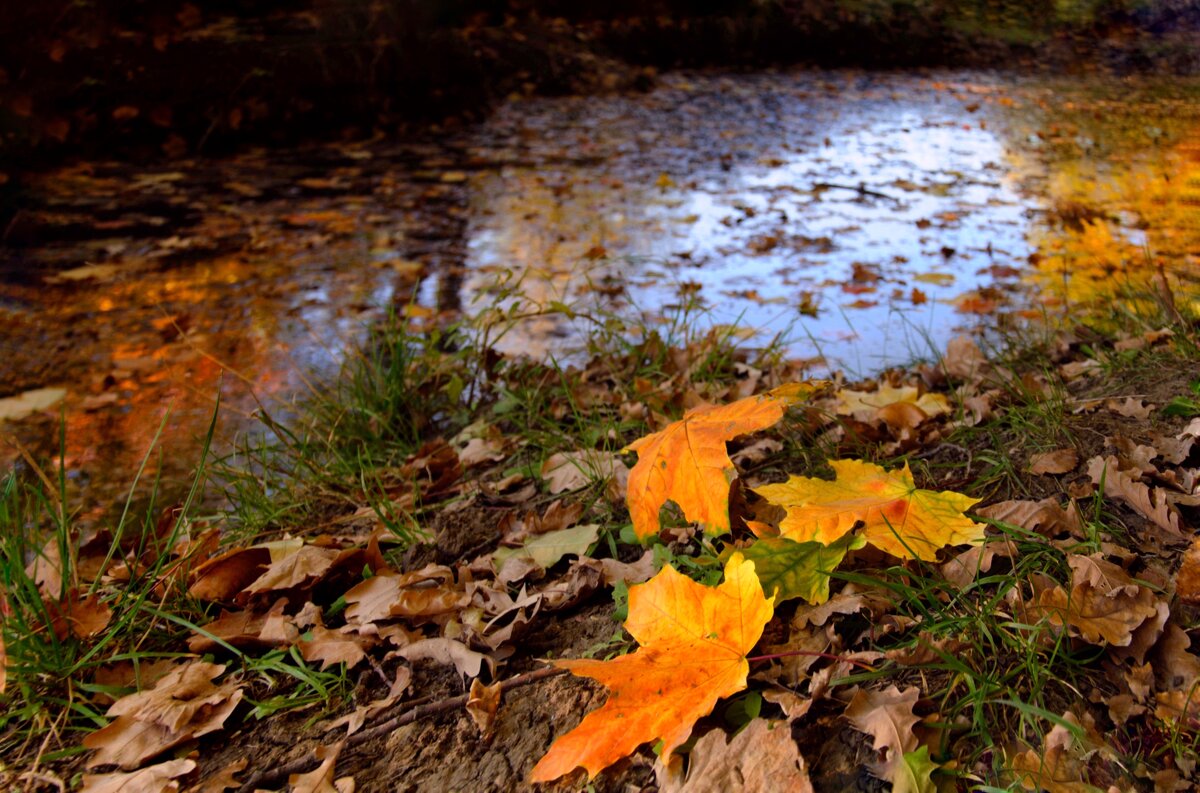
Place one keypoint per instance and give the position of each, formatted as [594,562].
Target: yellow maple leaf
[687,462]
[694,641]
[897,517]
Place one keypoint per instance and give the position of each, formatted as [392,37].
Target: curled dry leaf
[183,704]
[320,780]
[687,462]
[1187,580]
[1046,517]
[897,517]
[694,641]
[1150,503]
[334,647]
[887,716]
[1104,604]
[159,778]
[1060,461]
[482,704]
[248,630]
[306,565]
[761,758]
[866,405]
[447,652]
[572,470]
[964,360]
[224,779]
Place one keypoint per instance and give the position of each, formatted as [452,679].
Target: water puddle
[865,218]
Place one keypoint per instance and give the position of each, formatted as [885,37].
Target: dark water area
[864,218]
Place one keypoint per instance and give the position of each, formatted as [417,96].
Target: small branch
[279,774]
[861,189]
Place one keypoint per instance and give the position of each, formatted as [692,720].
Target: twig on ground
[280,773]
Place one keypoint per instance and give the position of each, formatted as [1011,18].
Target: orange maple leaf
[898,517]
[687,462]
[694,641]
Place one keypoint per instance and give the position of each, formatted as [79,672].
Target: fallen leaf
[154,779]
[865,405]
[1104,604]
[304,566]
[1060,461]
[1046,517]
[760,758]
[1187,580]
[789,569]
[898,517]
[964,360]
[482,703]
[333,647]
[1150,503]
[687,462]
[447,652]
[887,716]
[183,704]
[915,774]
[224,778]
[572,470]
[545,550]
[694,641]
[320,780]
[18,407]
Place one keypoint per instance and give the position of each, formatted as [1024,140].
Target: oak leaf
[321,779]
[887,716]
[694,641]
[155,779]
[897,517]
[759,759]
[687,462]
[1104,604]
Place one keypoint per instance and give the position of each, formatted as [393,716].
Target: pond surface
[861,218]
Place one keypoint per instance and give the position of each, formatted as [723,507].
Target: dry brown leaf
[482,703]
[1150,503]
[447,652]
[304,566]
[321,779]
[1045,517]
[219,579]
[1104,603]
[888,717]
[159,778]
[964,360]
[248,630]
[1060,461]
[182,705]
[1130,408]
[3,665]
[1187,580]
[428,592]
[962,569]
[129,743]
[334,647]
[573,470]
[1057,771]
[761,758]
[224,778]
